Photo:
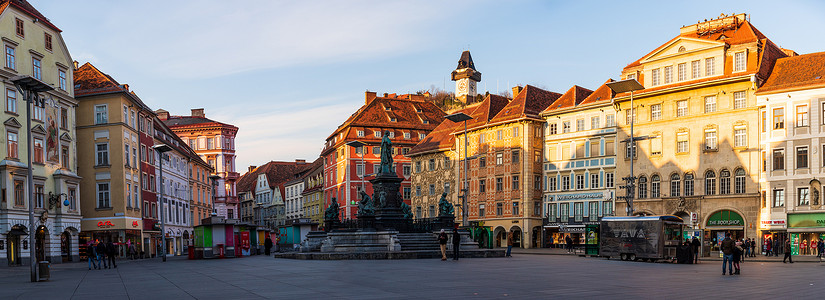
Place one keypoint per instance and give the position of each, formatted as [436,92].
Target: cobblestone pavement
[520,277]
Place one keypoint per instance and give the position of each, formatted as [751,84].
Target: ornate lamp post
[162,148]
[458,117]
[624,86]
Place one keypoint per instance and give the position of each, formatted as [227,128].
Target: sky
[287,73]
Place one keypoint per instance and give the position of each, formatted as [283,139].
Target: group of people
[732,253]
[442,242]
[98,253]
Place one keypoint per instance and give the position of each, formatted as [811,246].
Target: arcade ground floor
[527,232]
[55,238]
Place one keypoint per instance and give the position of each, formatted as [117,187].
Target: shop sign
[581,196]
[725,218]
[769,223]
[135,224]
[806,220]
[105,224]
[570,229]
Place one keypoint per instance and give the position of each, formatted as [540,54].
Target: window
[674,185]
[565,127]
[499,209]
[779,159]
[724,182]
[19,193]
[609,120]
[37,112]
[740,137]
[102,154]
[594,210]
[499,184]
[802,196]
[689,186]
[778,198]
[126,146]
[499,158]
[11,143]
[579,182]
[554,127]
[38,151]
[11,101]
[630,115]
[360,133]
[418,167]
[103,195]
[739,61]
[710,104]
[482,186]
[101,114]
[19,27]
[655,145]
[739,181]
[642,187]
[802,157]
[710,139]
[47,41]
[406,192]
[406,135]
[64,118]
[38,196]
[482,162]
[376,150]
[779,118]
[594,181]
[765,119]
[418,191]
[565,183]
[481,210]
[552,184]
[72,199]
[710,66]
[421,136]
[578,211]
[446,187]
[64,156]
[682,69]
[654,77]
[608,180]
[515,158]
[580,125]
[564,211]
[630,150]
[9,57]
[682,142]
[656,112]
[594,122]
[37,71]
[607,210]
[432,189]
[405,169]
[681,108]
[654,186]
[801,116]
[128,194]
[696,69]
[739,99]
[515,208]
[668,74]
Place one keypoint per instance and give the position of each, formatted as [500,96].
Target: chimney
[252,168]
[198,112]
[162,114]
[300,161]
[369,96]
[516,90]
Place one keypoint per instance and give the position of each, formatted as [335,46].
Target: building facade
[34,47]
[313,192]
[700,159]
[579,164]
[406,119]
[792,206]
[215,143]
[294,199]
[267,185]
[175,191]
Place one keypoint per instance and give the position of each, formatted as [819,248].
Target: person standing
[132,252]
[91,253]
[753,247]
[820,247]
[727,251]
[267,245]
[456,244]
[101,254]
[509,242]
[788,256]
[569,241]
[768,247]
[442,243]
[112,252]
[695,244]
[737,256]
[776,249]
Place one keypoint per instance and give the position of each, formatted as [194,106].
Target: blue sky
[287,73]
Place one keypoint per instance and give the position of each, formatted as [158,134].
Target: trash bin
[191,252]
[43,270]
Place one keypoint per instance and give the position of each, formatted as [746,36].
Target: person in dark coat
[509,243]
[442,243]
[695,244]
[820,247]
[737,256]
[788,256]
[267,245]
[101,254]
[727,247]
[569,241]
[91,253]
[456,244]
[112,252]
[776,248]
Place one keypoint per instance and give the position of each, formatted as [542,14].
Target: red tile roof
[572,98]
[89,81]
[796,72]
[441,137]
[27,8]
[277,174]
[601,94]
[484,112]
[530,102]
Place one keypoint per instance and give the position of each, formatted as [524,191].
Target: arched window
[710,183]
[654,186]
[724,182]
[642,187]
[739,183]
[689,184]
[674,185]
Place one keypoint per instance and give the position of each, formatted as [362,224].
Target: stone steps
[418,241]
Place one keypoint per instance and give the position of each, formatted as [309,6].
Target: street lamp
[458,117]
[214,181]
[624,86]
[162,148]
[30,88]
[360,144]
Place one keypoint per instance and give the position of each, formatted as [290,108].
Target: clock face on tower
[461,88]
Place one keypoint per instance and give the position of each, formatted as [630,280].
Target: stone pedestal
[313,241]
[361,241]
[444,222]
[388,213]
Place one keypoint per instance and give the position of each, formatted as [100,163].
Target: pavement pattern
[523,276]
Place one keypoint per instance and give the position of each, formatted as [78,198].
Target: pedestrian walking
[768,247]
[267,245]
[737,256]
[727,251]
[91,253]
[820,247]
[747,246]
[776,249]
[695,244]
[101,255]
[112,252]
[456,244]
[132,252]
[788,256]
[753,247]
[509,242]
[442,242]
[569,241]
[129,248]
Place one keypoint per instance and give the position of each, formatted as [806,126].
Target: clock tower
[466,77]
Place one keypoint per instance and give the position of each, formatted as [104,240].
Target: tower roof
[466,61]
[466,68]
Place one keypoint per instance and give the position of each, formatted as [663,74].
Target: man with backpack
[101,254]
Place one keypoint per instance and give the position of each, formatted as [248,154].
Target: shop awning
[804,230]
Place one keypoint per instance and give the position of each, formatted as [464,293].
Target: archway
[14,246]
[684,215]
[499,237]
[517,237]
[535,238]
[66,246]
[41,243]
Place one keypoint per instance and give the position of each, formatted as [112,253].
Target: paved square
[519,277]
